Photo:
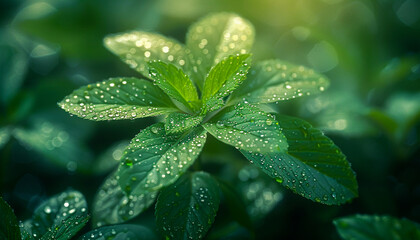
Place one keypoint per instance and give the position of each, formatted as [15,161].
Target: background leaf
[215,37]
[372,227]
[155,159]
[112,206]
[123,231]
[248,128]
[9,227]
[194,200]
[275,80]
[137,48]
[110,158]
[312,166]
[118,98]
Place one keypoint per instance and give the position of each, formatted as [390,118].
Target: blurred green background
[369,49]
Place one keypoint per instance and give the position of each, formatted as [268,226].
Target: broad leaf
[117,232]
[366,227]
[275,80]
[9,226]
[67,228]
[118,98]
[175,83]
[112,206]
[223,78]
[138,48]
[186,209]
[215,37]
[180,122]
[155,159]
[248,128]
[56,211]
[312,167]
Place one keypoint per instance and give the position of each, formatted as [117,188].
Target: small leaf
[138,48]
[372,227]
[175,83]
[248,128]
[223,78]
[215,37]
[66,228]
[194,200]
[9,226]
[65,208]
[312,167]
[118,98]
[155,159]
[112,206]
[180,122]
[275,80]
[123,231]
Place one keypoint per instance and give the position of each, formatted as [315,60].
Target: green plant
[206,86]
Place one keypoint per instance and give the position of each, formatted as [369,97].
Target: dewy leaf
[223,78]
[175,83]
[67,228]
[138,48]
[120,232]
[248,128]
[215,37]
[155,159]
[193,203]
[368,227]
[180,122]
[118,98]
[9,226]
[275,80]
[112,206]
[56,211]
[312,167]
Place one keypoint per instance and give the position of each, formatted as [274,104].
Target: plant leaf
[275,80]
[67,228]
[155,159]
[313,166]
[223,78]
[112,206]
[372,227]
[194,200]
[137,48]
[123,231]
[180,122]
[175,83]
[9,226]
[248,128]
[118,98]
[215,37]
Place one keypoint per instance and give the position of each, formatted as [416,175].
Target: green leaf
[194,200]
[180,122]
[155,159]
[9,226]
[138,48]
[312,167]
[59,213]
[56,145]
[372,227]
[275,80]
[223,78]
[123,231]
[248,128]
[67,228]
[112,206]
[175,83]
[118,98]
[215,37]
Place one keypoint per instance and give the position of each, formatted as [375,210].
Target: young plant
[206,86]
